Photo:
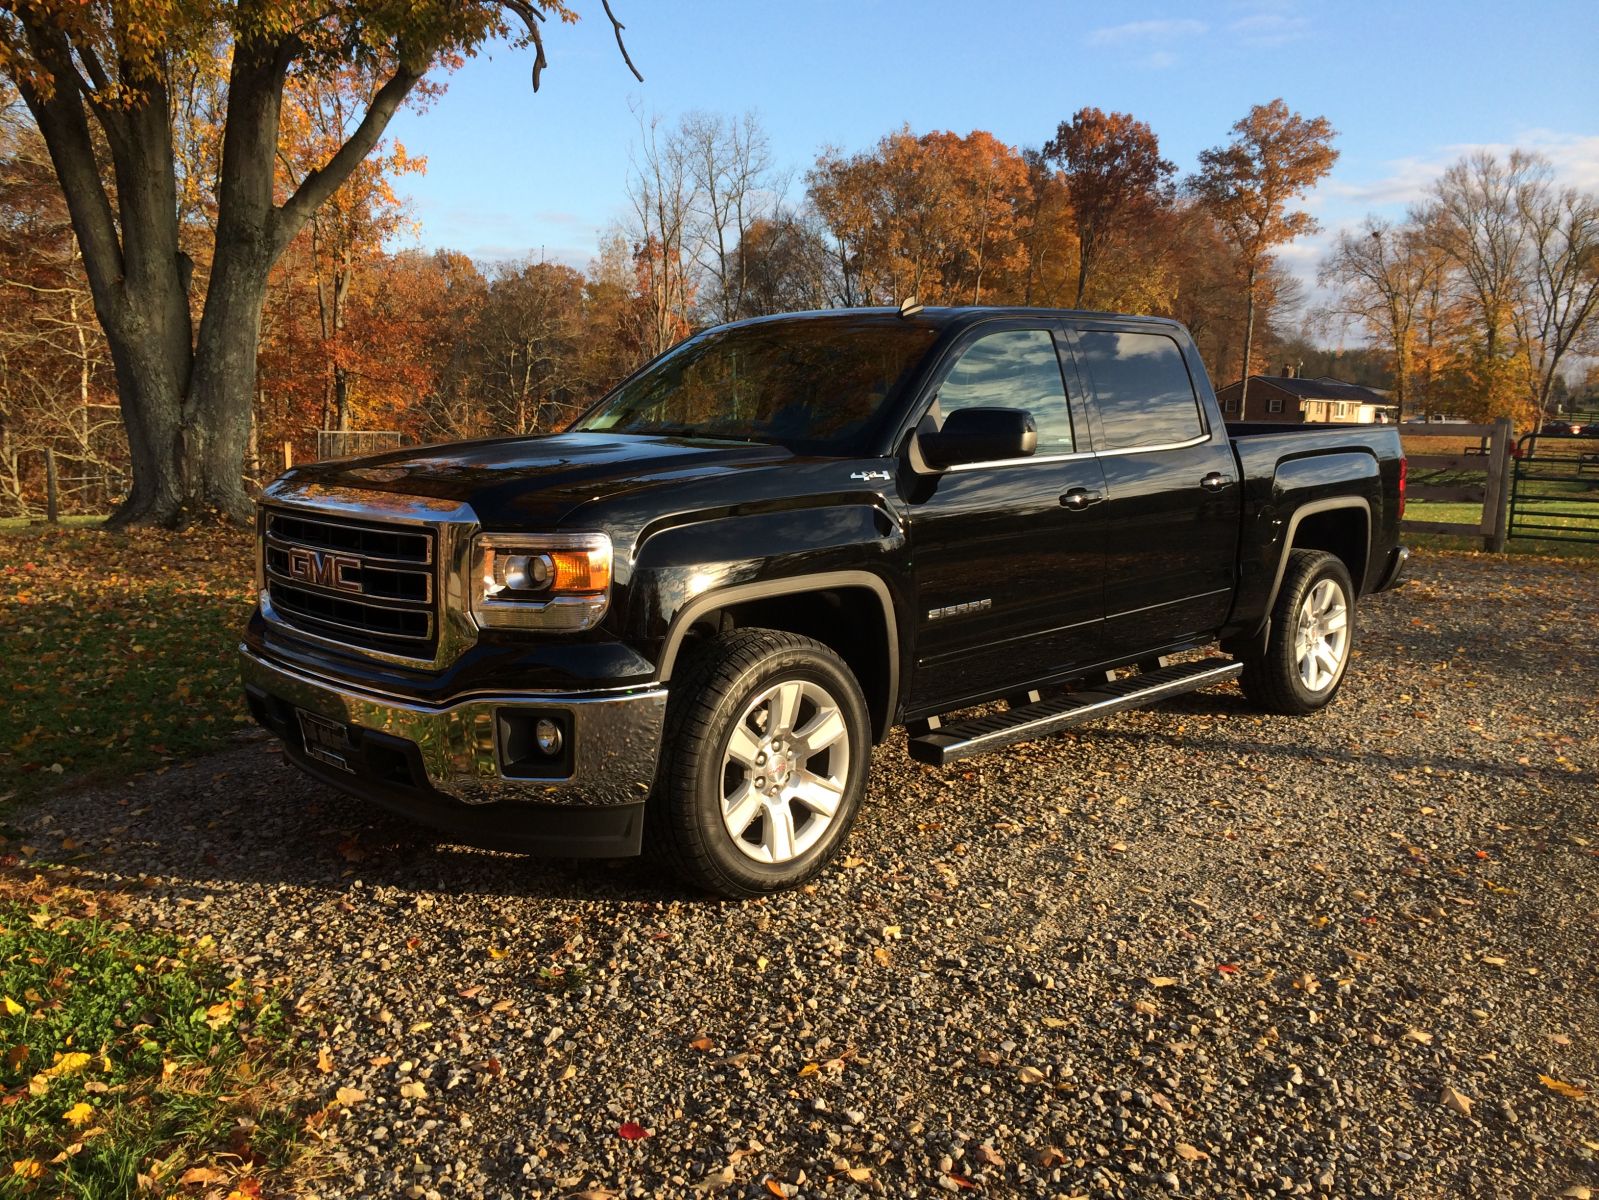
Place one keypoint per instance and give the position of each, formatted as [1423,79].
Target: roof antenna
[909,306]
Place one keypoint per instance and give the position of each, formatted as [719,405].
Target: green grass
[128,1060]
[119,651]
[1471,514]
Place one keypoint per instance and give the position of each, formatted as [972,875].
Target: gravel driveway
[1194,951]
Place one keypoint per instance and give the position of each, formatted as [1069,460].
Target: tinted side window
[1014,369]
[1145,395]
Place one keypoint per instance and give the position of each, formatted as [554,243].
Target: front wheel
[1312,637]
[763,765]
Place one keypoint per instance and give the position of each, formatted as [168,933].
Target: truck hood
[527,480]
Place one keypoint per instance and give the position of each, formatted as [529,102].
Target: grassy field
[119,650]
[133,1064]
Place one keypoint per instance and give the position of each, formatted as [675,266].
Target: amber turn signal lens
[582,570]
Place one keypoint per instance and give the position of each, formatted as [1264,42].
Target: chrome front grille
[364,584]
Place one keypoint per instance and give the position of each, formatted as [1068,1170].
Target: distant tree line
[1477,304]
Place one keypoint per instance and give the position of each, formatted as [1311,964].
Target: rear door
[1171,483]
[1007,555]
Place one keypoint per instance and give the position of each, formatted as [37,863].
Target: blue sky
[1408,85]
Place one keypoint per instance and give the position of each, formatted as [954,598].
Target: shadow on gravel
[248,817]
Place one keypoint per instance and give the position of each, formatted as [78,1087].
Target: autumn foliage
[360,330]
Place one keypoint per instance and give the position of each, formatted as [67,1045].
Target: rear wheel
[1312,637]
[764,761]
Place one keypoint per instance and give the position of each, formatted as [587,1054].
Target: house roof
[1317,389]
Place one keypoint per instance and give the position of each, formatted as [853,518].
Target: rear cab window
[1143,392]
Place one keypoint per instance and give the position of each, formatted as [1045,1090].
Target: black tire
[683,825]
[1272,681]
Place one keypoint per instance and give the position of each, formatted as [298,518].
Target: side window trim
[952,355]
[1102,449]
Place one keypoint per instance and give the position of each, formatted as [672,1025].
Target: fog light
[547,734]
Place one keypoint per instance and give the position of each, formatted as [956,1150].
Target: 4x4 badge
[870,475]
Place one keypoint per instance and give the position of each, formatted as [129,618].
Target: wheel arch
[850,612]
[1338,525]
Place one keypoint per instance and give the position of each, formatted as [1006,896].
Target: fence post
[52,505]
[1496,502]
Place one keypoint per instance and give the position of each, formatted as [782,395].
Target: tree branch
[617,27]
[322,182]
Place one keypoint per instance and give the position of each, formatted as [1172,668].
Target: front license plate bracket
[325,741]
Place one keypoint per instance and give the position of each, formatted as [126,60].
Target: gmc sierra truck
[684,623]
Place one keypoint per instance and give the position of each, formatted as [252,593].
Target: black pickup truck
[684,623]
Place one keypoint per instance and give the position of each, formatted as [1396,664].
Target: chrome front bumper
[614,738]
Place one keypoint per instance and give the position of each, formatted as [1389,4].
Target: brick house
[1290,399]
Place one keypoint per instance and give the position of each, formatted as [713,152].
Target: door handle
[1080,498]
[1215,481]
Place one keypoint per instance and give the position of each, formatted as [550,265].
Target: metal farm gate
[1554,490]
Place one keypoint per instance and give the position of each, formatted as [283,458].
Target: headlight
[557,581]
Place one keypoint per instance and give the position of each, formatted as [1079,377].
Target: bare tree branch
[617,27]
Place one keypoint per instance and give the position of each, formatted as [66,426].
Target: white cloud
[1573,157]
[1266,29]
[1144,32]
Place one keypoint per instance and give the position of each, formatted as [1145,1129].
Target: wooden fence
[1490,455]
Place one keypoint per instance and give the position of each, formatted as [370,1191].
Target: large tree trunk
[185,400]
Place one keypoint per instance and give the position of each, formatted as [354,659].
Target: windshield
[813,385]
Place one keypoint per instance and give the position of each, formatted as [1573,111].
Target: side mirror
[972,435]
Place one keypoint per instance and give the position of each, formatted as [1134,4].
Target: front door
[1008,555]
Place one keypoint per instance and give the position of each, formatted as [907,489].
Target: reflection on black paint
[1144,393]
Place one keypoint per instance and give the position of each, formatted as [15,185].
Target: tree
[112,69]
[736,187]
[662,195]
[55,393]
[785,265]
[1384,275]
[1115,178]
[1274,158]
[1561,300]
[941,217]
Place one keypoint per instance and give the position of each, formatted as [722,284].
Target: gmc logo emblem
[324,570]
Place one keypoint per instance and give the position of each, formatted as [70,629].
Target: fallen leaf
[631,1131]
[68,1064]
[1227,968]
[324,1060]
[990,1156]
[349,1095]
[1190,1153]
[882,956]
[1030,1075]
[1051,1156]
[1452,1099]
[1569,1090]
[200,1175]
[776,1188]
[496,952]
[809,1069]
[79,1115]
[703,1044]
[12,1007]
[960,1181]
[1160,981]
[27,1168]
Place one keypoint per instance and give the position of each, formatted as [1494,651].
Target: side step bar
[943,745]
